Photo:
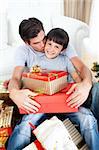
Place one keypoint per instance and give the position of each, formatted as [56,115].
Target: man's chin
[42,51]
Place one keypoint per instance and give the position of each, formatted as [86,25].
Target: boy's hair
[59,36]
[29,28]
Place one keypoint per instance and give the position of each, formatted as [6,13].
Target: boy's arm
[21,96]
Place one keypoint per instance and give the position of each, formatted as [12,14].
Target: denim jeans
[88,126]
[84,118]
[92,101]
[21,135]
[95,101]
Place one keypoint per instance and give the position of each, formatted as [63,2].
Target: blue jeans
[21,135]
[88,126]
[95,101]
[84,118]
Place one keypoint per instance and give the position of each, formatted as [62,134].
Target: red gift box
[5,131]
[3,141]
[47,82]
[54,103]
[36,145]
[4,134]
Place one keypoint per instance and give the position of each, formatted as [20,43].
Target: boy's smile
[52,49]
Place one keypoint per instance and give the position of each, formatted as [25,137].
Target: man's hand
[22,99]
[5,83]
[79,94]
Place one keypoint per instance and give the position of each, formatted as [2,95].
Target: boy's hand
[79,94]
[22,99]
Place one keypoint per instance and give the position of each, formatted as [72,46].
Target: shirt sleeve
[70,51]
[20,57]
[70,69]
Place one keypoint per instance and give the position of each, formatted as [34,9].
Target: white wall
[94,27]
[41,6]
[47,6]
[92,43]
[3,6]
[23,9]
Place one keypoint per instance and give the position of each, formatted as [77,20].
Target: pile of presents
[52,87]
[6,113]
[52,134]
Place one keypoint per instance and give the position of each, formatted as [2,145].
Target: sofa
[10,39]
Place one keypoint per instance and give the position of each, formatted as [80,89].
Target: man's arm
[85,73]
[15,82]
[21,97]
[76,77]
[82,89]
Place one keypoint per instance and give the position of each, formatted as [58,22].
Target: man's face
[52,49]
[38,42]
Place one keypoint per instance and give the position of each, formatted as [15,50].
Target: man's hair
[59,36]
[29,28]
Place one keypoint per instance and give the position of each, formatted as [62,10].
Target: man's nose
[42,43]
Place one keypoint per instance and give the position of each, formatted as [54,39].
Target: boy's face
[38,42]
[52,49]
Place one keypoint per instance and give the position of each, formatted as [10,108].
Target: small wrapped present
[6,117]
[5,124]
[53,135]
[46,82]
[5,131]
[36,145]
[55,103]
[3,141]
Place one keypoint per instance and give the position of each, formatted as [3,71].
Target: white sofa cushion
[6,62]
[3,30]
[13,29]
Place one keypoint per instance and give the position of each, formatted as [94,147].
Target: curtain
[79,9]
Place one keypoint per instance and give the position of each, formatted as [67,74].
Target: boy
[56,42]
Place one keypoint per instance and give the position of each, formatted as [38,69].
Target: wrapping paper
[36,145]
[46,82]
[55,103]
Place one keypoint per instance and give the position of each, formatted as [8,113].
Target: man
[34,46]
